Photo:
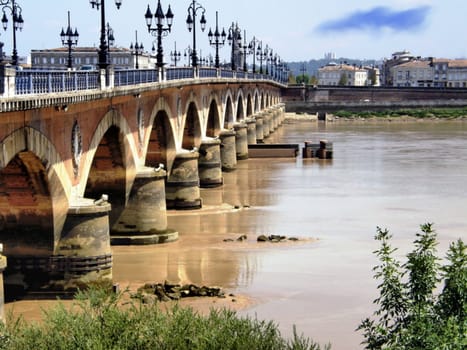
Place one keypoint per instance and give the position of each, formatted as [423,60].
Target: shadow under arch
[240,110]
[192,129]
[249,106]
[161,147]
[262,101]
[34,193]
[213,126]
[228,116]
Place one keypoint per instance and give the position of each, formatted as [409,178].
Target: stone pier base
[209,163]
[144,220]
[251,131]
[2,294]
[259,128]
[241,141]
[228,150]
[267,124]
[182,191]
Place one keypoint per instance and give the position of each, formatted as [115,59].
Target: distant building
[430,72]
[396,59]
[330,56]
[120,58]
[347,75]
[417,73]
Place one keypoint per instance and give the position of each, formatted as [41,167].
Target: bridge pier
[209,163]
[144,219]
[81,256]
[241,141]
[182,191]
[259,128]
[228,150]
[2,268]
[83,253]
[251,131]
[267,124]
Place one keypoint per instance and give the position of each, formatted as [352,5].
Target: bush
[100,320]
[409,314]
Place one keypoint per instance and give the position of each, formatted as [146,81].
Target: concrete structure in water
[83,170]
[2,294]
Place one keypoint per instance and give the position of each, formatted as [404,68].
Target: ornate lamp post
[18,23]
[191,24]
[217,40]
[262,55]
[187,54]
[109,41]
[103,48]
[245,52]
[159,30]
[235,40]
[70,39]
[175,55]
[252,51]
[136,49]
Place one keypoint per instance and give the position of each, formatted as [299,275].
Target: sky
[296,30]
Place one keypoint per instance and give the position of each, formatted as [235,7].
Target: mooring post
[2,294]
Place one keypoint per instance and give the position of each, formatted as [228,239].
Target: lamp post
[191,24]
[262,55]
[159,30]
[245,52]
[103,47]
[70,39]
[187,54]
[252,51]
[109,41]
[136,49]
[235,40]
[18,23]
[217,40]
[175,55]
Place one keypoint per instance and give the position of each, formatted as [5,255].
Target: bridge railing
[42,82]
[180,73]
[26,82]
[135,77]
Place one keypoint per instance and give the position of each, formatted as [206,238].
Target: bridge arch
[249,106]
[34,194]
[213,124]
[228,115]
[240,108]
[192,128]
[111,162]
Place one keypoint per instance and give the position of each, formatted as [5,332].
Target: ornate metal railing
[28,82]
[46,82]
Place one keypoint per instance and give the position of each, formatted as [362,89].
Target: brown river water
[395,175]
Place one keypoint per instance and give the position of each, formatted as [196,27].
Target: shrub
[409,314]
[99,320]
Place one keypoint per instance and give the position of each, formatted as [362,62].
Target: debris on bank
[167,291]
[264,238]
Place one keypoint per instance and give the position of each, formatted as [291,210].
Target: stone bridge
[81,168]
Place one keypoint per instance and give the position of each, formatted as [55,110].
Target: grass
[442,113]
[101,320]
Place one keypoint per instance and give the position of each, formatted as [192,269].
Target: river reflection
[394,175]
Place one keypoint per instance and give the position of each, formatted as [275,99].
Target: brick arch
[39,187]
[192,127]
[110,163]
[249,105]
[240,115]
[228,112]
[112,118]
[213,123]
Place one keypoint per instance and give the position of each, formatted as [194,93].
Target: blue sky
[297,29]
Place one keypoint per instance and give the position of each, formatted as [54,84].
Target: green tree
[343,80]
[409,314]
[302,79]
